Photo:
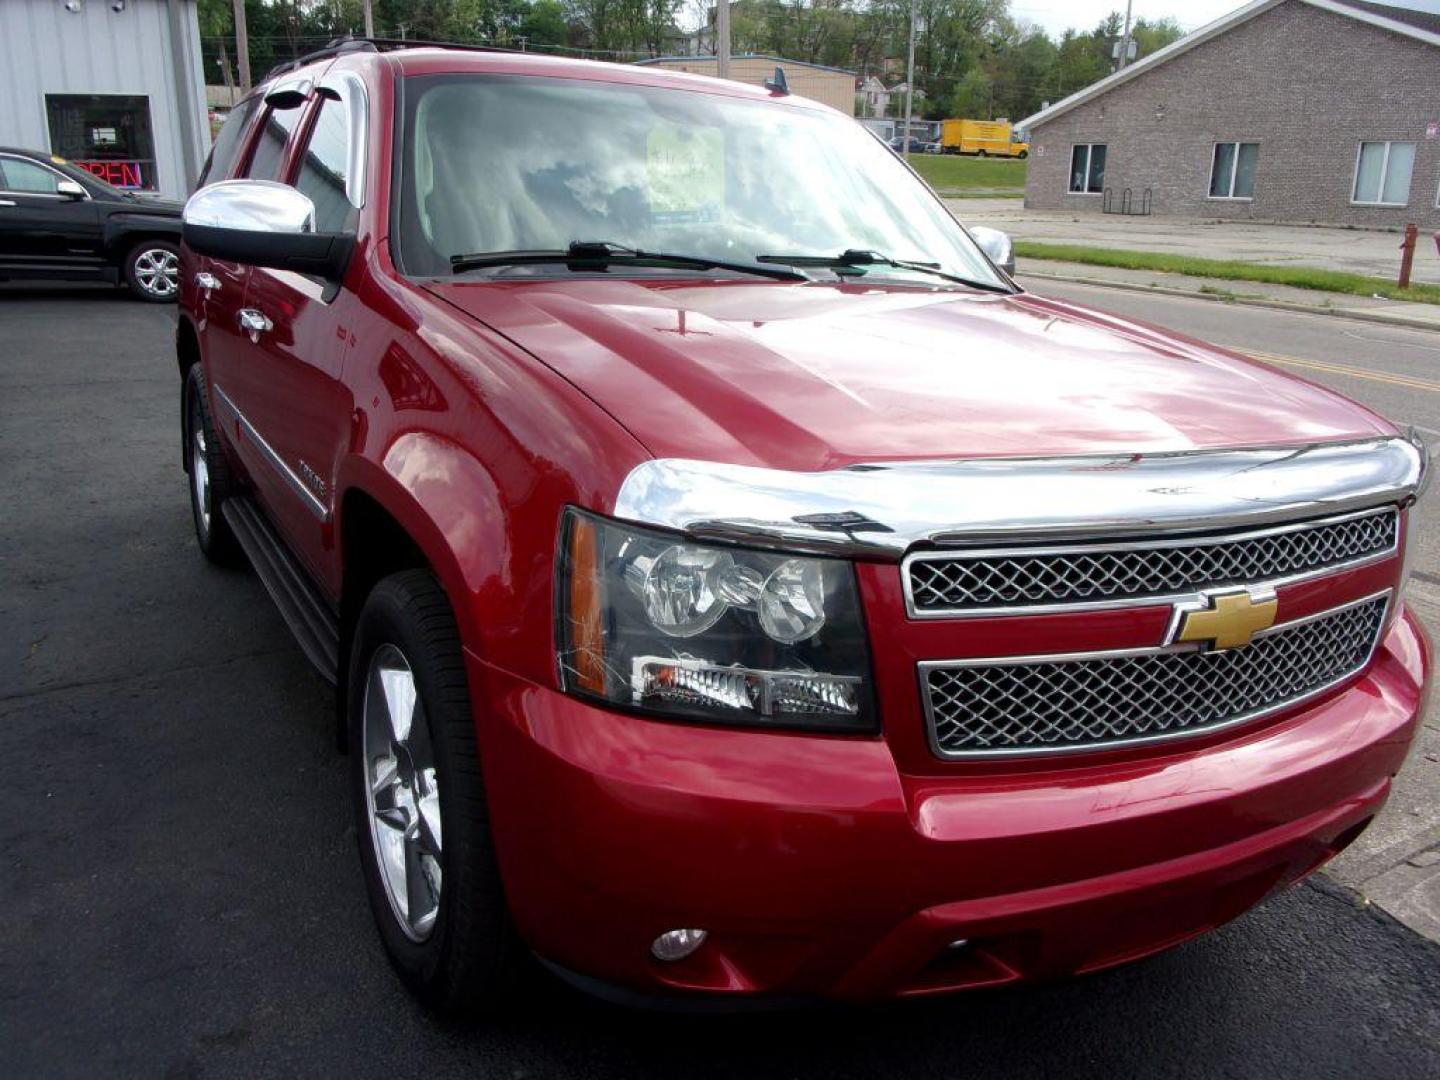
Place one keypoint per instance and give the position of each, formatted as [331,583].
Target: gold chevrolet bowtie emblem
[1225,620]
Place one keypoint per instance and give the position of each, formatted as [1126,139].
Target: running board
[311,619]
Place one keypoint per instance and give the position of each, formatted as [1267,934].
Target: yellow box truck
[983,138]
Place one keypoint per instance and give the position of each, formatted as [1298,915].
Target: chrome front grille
[1101,575]
[1097,700]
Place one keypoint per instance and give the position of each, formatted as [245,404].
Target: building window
[1232,172]
[1382,173]
[105,134]
[1087,168]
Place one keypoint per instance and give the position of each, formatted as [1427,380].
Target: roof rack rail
[334,48]
[382,44]
[376,44]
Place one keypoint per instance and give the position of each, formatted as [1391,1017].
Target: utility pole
[722,38]
[242,46]
[909,87]
[225,71]
[1125,40]
[369,20]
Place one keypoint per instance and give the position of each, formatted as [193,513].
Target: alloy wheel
[401,793]
[158,272]
[199,470]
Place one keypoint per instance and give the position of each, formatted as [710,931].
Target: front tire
[152,271]
[421,817]
[211,481]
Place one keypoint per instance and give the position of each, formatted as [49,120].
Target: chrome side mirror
[71,189]
[251,206]
[996,245]
[263,223]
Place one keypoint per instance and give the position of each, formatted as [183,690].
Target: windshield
[520,163]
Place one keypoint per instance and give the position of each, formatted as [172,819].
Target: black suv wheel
[152,271]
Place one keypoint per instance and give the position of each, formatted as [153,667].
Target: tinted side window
[228,143]
[269,156]
[26,176]
[326,164]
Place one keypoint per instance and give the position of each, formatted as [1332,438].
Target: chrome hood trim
[883,510]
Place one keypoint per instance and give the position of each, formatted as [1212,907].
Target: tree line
[973,58]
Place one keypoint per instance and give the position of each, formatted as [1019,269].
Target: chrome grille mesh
[1093,701]
[1081,576]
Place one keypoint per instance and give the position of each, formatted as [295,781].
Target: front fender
[474,448]
[123,229]
[442,497]
[492,556]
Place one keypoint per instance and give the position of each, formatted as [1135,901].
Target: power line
[533,46]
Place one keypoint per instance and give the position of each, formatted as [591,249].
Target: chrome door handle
[7,202]
[208,282]
[254,323]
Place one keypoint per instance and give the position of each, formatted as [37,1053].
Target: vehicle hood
[818,376]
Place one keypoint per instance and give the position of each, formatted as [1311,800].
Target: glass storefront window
[107,134]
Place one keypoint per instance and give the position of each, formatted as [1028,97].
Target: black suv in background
[59,222]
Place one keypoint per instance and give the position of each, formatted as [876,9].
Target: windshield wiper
[587,255]
[855,257]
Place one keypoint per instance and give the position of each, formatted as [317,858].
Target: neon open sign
[121,174]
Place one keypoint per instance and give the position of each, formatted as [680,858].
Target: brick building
[1284,110]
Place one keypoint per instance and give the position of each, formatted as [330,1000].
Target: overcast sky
[1057,16]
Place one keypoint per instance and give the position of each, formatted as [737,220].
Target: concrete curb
[1360,315]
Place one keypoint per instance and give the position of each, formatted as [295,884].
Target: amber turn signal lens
[587,639]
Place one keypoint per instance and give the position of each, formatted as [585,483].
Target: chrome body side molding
[268,452]
[881,511]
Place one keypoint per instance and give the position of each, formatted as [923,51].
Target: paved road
[181,896]
[1357,251]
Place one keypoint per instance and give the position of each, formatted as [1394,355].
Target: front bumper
[821,869]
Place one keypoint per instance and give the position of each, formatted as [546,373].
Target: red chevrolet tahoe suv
[734,585]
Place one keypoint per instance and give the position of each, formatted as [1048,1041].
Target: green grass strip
[1001,193]
[1300,277]
[950,172]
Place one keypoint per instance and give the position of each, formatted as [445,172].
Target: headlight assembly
[658,624]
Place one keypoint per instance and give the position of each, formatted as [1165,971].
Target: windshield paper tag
[685,169]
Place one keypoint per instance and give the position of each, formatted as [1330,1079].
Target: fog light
[677,944]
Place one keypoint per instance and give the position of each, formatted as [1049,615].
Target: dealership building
[113,85]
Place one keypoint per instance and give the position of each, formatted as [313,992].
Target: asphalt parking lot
[181,894]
